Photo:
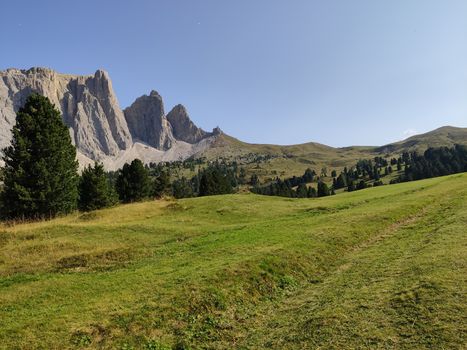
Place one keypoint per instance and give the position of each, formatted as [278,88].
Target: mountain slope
[269,161]
[446,136]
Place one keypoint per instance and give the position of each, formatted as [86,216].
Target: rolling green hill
[292,160]
[378,268]
[446,136]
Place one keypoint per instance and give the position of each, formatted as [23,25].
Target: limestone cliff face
[98,127]
[88,105]
[147,122]
[183,128]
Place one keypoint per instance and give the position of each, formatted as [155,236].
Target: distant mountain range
[102,131]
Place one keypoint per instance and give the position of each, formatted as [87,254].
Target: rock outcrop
[98,127]
[147,122]
[88,105]
[183,128]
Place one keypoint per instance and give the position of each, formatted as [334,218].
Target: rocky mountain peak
[217,131]
[98,127]
[182,127]
[147,122]
[180,109]
[101,74]
[88,105]
[154,93]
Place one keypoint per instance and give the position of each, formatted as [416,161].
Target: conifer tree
[340,182]
[323,189]
[95,191]
[40,178]
[312,192]
[309,175]
[162,184]
[182,188]
[302,191]
[215,179]
[254,180]
[361,185]
[133,182]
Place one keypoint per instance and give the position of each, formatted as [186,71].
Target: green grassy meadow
[381,268]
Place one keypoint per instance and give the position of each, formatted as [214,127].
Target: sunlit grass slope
[379,268]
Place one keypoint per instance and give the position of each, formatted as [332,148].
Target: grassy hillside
[378,268]
[446,136]
[287,161]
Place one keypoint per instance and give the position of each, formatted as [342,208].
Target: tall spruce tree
[312,192]
[215,179]
[323,189]
[40,179]
[182,188]
[161,185]
[341,181]
[95,190]
[302,191]
[133,183]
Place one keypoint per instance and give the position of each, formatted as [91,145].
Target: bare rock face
[88,105]
[98,127]
[183,128]
[147,122]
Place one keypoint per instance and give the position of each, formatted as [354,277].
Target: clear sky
[338,72]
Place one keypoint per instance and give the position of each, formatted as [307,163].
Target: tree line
[295,187]
[369,173]
[41,180]
[434,162]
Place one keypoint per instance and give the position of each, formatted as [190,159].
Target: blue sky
[266,71]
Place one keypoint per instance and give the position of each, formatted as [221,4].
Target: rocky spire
[147,122]
[183,128]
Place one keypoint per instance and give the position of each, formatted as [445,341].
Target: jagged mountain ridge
[102,131]
[182,126]
[99,128]
[88,104]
